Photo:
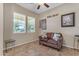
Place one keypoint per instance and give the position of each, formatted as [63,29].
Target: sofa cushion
[44,36]
[49,35]
[56,36]
[44,39]
[52,41]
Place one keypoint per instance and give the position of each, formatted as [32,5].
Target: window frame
[27,24]
[24,20]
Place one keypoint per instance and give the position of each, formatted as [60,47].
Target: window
[31,24]
[19,23]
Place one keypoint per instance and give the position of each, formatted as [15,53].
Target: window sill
[18,32]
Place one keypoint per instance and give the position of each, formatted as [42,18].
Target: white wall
[1,29]
[54,24]
[20,38]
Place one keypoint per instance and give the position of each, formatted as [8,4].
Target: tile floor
[34,49]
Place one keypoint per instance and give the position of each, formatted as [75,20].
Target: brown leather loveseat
[54,40]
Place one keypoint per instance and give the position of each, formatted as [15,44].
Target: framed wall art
[68,20]
[43,24]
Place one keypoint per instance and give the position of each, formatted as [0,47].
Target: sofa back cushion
[49,35]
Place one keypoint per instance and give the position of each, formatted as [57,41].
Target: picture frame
[68,20]
[43,24]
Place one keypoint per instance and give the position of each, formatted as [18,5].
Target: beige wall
[1,29]
[7,21]
[20,38]
[54,23]
[25,37]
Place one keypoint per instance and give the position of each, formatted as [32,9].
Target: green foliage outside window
[31,24]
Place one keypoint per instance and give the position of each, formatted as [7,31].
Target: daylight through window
[19,23]
[31,24]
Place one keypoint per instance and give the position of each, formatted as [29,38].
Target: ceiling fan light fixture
[38,7]
[46,5]
[42,4]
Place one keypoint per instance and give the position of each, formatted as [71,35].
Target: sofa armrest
[43,39]
[40,38]
[60,42]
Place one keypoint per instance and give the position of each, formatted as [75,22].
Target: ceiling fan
[45,4]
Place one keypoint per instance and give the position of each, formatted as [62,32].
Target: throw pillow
[56,36]
[44,36]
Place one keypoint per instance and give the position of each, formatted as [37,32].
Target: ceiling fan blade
[46,5]
[38,7]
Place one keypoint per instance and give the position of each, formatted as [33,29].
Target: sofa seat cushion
[52,41]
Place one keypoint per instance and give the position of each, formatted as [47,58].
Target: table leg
[77,44]
[74,47]
[13,49]
[74,44]
[6,47]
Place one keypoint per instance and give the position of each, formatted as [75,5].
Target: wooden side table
[76,40]
[9,42]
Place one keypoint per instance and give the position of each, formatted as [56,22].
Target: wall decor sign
[68,20]
[52,15]
[43,24]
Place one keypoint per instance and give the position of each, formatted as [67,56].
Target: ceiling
[33,7]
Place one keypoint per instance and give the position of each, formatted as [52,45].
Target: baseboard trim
[19,45]
[33,41]
[68,46]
